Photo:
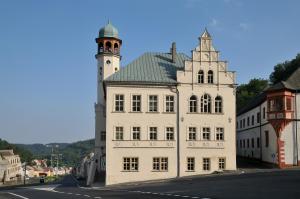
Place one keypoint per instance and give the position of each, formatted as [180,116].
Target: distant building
[164,115]
[10,166]
[268,128]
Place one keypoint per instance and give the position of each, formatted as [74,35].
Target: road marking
[87,196]
[17,195]
[78,194]
[185,196]
[97,197]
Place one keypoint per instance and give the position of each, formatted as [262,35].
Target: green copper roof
[150,68]
[109,31]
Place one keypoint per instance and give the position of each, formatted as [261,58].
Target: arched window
[108,46]
[210,77]
[201,77]
[205,104]
[218,104]
[116,48]
[100,47]
[193,104]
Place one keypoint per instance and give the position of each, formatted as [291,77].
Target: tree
[246,92]
[283,70]
[25,155]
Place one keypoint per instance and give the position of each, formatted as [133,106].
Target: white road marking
[78,194]
[87,196]
[17,195]
[97,197]
[185,196]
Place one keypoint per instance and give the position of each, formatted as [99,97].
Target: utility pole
[24,173]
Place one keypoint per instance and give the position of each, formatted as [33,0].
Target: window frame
[119,103]
[130,164]
[160,164]
[192,133]
[119,133]
[200,77]
[206,135]
[220,134]
[218,104]
[153,133]
[136,104]
[210,77]
[206,164]
[170,134]
[222,163]
[170,108]
[205,103]
[193,104]
[136,134]
[190,164]
[153,104]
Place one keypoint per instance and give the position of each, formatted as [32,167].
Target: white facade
[147,131]
[10,166]
[263,140]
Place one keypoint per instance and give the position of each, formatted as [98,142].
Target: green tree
[246,92]
[283,70]
[25,155]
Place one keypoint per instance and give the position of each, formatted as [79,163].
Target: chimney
[173,52]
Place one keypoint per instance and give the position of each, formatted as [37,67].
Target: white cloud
[244,26]
[214,22]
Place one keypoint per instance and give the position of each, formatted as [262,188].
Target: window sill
[135,112]
[155,112]
[159,171]
[118,112]
[169,112]
[190,171]
[129,171]
[201,113]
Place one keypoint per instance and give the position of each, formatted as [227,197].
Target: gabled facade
[164,115]
[268,127]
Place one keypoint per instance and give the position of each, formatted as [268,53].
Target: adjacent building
[10,166]
[268,127]
[164,115]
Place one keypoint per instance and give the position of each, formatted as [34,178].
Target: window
[201,77]
[244,146]
[221,163]
[206,133]
[192,133]
[220,133]
[276,104]
[206,164]
[241,144]
[210,77]
[153,103]
[257,142]
[153,133]
[252,142]
[193,104]
[264,113]
[258,117]
[103,135]
[119,133]
[136,132]
[119,103]
[267,138]
[170,133]
[248,143]
[191,164]
[288,104]
[218,104]
[205,104]
[130,164]
[241,126]
[244,123]
[252,120]
[169,103]
[248,121]
[160,164]
[136,103]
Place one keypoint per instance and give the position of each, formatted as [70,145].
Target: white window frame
[206,164]
[119,133]
[153,103]
[170,135]
[130,164]
[220,134]
[136,133]
[190,163]
[136,104]
[153,131]
[206,135]
[160,164]
[222,163]
[119,103]
[170,108]
[192,133]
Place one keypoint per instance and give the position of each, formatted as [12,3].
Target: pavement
[276,184]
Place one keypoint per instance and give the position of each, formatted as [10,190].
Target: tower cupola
[108,40]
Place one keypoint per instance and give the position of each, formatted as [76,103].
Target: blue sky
[47,48]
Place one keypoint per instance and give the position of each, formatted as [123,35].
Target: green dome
[109,31]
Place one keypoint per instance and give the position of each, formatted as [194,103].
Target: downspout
[296,116]
[178,136]
[177,127]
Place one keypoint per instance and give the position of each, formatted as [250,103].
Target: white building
[164,115]
[10,166]
[268,127]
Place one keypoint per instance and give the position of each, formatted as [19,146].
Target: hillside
[25,154]
[72,153]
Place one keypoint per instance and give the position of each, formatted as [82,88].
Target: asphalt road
[277,184]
